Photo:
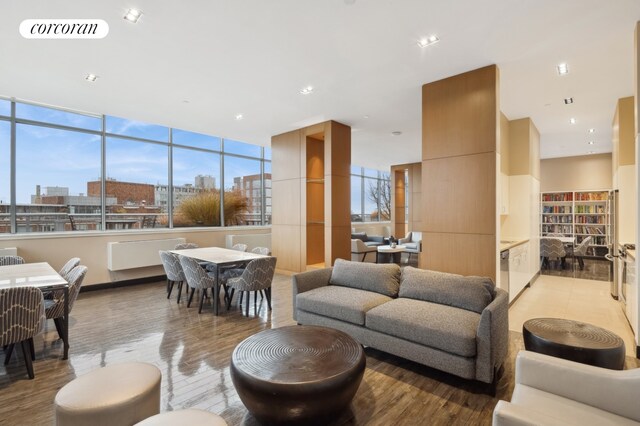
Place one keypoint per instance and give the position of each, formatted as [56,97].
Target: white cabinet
[504,194]
[519,269]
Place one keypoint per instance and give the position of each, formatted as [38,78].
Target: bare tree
[381,197]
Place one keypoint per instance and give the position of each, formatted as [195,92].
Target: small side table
[575,341]
[386,254]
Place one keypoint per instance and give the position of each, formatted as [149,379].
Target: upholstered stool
[119,394]
[190,417]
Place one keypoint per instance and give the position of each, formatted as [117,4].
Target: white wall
[57,248]
[582,173]
[373,228]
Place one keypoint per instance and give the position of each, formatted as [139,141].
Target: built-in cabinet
[578,214]
[519,269]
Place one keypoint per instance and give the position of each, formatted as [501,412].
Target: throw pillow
[383,279]
[470,293]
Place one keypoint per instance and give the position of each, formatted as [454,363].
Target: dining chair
[54,308]
[197,279]
[63,272]
[552,248]
[22,317]
[261,250]
[580,251]
[11,260]
[184,246]
[173,270]
[258,275]
[233,270]
[71,263]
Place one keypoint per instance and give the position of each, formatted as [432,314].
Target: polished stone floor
[572,298]
[594,269]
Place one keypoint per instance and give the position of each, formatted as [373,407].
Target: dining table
[565,240]
[221,257]
[43,277]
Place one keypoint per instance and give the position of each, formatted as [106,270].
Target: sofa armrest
[404,240]
[309,280]
[610,390]
[492,337]
[506,414]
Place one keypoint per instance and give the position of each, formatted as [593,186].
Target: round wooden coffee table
[575,341]
[297,374]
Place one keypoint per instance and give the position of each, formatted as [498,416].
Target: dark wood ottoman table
[575,341]
[297,374]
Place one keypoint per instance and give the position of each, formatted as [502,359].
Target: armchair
[554,391]
[358,247]
[412,243]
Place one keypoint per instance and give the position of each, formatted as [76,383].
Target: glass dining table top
[40,275]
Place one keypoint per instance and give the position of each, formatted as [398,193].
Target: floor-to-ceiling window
[5,166]
[58,153]
[85,172]
[370,195]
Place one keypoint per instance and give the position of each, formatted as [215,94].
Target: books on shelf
[578,214]
[557,196]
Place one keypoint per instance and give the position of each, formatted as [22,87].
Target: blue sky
[53,157]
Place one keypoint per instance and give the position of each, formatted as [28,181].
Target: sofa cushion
[359,236]
[442,327]
[412,246]
[373,244]
[470,293]
[383,279]
[342,303]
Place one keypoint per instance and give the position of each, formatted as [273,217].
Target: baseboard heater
[138,254]
[9,251]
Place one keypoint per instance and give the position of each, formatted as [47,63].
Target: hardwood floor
[193,352]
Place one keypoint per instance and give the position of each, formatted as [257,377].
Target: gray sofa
[368,240]
[449,322]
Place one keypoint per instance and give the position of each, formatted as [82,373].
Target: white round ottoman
[190,417]
[119,394]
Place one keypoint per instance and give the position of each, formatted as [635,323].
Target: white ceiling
[253,57]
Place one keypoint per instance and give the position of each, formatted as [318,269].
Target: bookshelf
[578,214]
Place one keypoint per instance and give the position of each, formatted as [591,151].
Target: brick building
[126,193]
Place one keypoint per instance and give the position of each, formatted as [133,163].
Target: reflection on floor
[577,299]
[594,269]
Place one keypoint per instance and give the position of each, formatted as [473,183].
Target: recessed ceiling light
[239,116]
[572,120]
[306,91]
[591,142]
[366,117]
[91,77]
[563,69]
[568,101]
[592,130]
[185,101]
[591,152]
[396,133]
[133,15]
[432,39]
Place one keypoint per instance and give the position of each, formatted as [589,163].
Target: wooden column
[460,117]
[399,200]
[311,215]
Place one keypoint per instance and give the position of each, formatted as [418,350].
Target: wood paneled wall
[399,201]
[460,132]
[299,206]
